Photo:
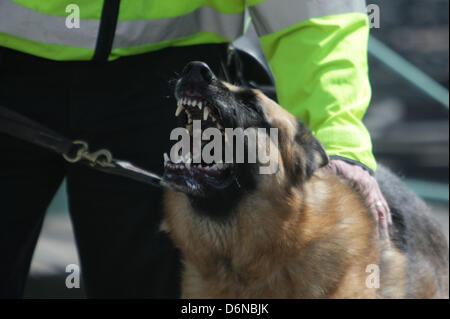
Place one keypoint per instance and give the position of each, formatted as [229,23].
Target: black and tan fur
[302,232]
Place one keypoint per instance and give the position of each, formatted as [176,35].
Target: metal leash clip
[101,157]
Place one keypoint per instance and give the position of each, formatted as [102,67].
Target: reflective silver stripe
[139,32]
[274,15]
[20,21]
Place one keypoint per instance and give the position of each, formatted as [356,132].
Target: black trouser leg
[29,175]
[26,189]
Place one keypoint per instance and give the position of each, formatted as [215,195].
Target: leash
[77,151]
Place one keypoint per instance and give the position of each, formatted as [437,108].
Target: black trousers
[126,106]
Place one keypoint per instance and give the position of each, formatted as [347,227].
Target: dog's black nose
[198,72]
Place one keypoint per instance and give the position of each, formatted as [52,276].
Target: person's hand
[370,189]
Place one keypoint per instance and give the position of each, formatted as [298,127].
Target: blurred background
[408,120]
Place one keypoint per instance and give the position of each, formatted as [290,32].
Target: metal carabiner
[96,158]
[92,158]
[78,156]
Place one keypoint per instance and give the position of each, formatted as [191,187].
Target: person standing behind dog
[98,71]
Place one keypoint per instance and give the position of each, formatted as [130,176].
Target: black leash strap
[21,127]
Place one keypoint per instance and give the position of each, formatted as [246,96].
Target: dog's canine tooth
[188,162]
[166,158]
[194,103]
[200,105]
[205,113]
[179,109]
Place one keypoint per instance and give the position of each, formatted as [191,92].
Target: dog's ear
[314,155]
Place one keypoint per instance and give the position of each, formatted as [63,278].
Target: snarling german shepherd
[302,232]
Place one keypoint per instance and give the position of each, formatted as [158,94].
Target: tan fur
[284,241]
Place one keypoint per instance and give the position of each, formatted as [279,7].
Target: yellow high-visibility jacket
[317,49]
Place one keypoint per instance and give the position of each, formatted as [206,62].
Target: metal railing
[408,71]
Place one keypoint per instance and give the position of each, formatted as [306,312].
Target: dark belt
[77,151]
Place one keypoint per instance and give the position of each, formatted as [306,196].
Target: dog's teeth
[187,157]
[219,126]
[188,162]
[194,103]
[205,113]
[213,118]
[200,105]
[179,109]
[166,158]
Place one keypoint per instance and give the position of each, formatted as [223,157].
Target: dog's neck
[272,239]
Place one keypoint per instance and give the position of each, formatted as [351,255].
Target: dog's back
[417,235]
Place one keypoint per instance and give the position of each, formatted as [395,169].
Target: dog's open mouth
[191,174]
